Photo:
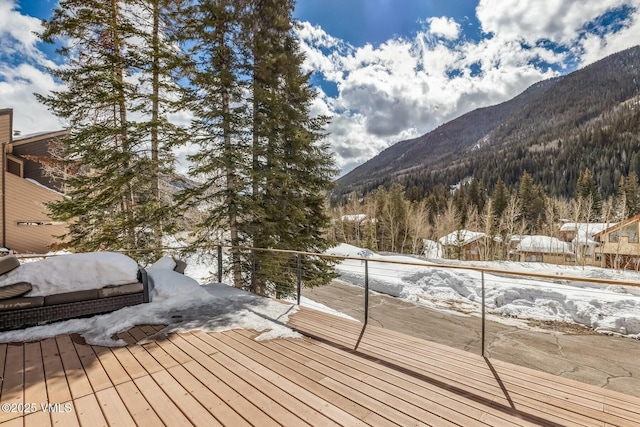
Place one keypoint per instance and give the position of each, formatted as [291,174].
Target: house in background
[25,225]
[581,236]
[545,249]
[620,245]
[464,245]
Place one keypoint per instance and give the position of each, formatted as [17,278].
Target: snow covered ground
[607,308]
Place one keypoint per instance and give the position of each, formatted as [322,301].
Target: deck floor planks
[237,380]
[189,406]
[272,384]
[164,360]
[510,374]
[567,394]
[13,382]
[228,378]
[246,355]
[3,356]
[96,373]
[111,365]
[447,405]
[137,405]
[209,400]
[307,378]
[163,406]
[64,418]
[140,353]
[37,419]
[559,412]
[77,379]
[35,386]
[113,408]
[411,382]
[54,371]
[89,412]
[128,361]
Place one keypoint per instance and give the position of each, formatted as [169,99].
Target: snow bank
[605,308]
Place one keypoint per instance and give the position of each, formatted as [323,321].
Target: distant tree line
[390,220]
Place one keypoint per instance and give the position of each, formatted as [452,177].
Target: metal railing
[296,260]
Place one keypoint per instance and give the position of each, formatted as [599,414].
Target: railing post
[299,274]
[219,263]
[483,316]
[366,291]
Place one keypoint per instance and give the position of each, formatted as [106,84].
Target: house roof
[586,230]
[544,245]
[461,238]
[618,225]
[38,136]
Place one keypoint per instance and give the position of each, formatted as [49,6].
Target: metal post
[299,273]
[219,263]
[483,317]
[366,291]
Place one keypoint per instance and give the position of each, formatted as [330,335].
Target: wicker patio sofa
[24,311]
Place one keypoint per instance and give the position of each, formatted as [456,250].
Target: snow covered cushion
[14,290]
[74,272]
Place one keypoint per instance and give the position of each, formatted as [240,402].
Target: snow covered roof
[461,238]
[586,230]
[544,244]
[353,218]
[619,225]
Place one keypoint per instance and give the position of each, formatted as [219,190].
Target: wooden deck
[341,376]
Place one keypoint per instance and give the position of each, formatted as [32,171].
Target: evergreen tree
[531,203]
[215,96]
[292,167]
[103,203]
[262,162]
[499,199]
[587,191]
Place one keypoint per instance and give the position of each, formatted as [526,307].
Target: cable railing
[286,273]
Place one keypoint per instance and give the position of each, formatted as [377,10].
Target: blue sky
[384,70]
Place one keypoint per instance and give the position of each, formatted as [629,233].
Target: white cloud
[444,27]
[532,20]
[17,92]
[404,88]
[595,47]
[17,30]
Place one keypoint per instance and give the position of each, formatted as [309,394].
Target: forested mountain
[554,130]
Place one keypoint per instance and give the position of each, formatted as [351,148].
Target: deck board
[230,379]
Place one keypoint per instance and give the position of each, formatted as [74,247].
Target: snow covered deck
[228,378]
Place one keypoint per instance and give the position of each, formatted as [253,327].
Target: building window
[37,223]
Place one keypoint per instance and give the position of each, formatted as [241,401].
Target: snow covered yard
[177,301]
[607,308]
